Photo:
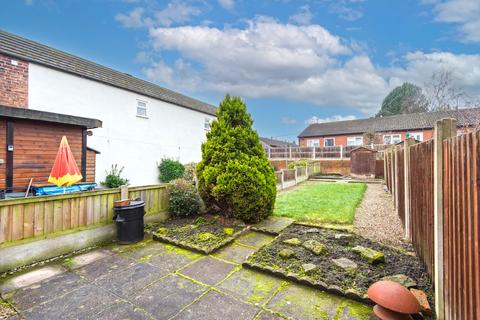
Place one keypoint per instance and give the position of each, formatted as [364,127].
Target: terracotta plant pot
[121,203]
[385,314]
[393,296]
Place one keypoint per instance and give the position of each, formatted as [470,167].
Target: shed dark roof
[28,50]
[276,143]
[426,120]
[29,114]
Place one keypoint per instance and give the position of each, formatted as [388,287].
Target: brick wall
[342,139]
[13,82]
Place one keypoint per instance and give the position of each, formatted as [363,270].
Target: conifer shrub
[235,178]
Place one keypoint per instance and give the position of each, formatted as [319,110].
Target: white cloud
[463,13]
[303,16]
[347,9]
[306,63]
[176,12]
[173,13]
[315,119]
[133,19]
[227,4]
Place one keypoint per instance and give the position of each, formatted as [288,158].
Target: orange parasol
[64,171]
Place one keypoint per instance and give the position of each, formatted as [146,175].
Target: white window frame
[145,116]
[391,136]
[325,142]
[416,134]
[313,143]
[206,124]
[354,140]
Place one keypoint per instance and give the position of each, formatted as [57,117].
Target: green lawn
[324,202]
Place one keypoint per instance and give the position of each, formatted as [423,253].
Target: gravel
[5,311]
[376,219]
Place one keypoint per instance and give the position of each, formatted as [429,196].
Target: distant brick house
[274,143]
[383,130]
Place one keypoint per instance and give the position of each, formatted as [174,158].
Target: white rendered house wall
[126,139]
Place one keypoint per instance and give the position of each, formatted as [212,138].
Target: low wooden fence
[334,152]
[42,216]
[440,212]
[287,178]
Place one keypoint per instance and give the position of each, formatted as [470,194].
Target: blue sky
[291,60]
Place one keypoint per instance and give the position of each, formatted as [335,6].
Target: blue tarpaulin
[54,190]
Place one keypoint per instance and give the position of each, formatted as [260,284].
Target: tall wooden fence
[440,212]
[421,202]
[461,228]
[42,216]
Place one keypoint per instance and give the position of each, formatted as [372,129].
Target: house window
[329,142]
[392,138]
[313,143]
[142,109]
[416,135]
[206,124]
[355,141]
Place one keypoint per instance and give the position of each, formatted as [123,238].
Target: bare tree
[442,93]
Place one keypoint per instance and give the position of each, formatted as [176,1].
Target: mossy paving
[260,292]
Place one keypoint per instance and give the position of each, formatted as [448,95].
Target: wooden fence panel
[400,172]
[461,226]
[422,202]
[41,216]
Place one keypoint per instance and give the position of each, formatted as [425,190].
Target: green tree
[235,178]
[407,98]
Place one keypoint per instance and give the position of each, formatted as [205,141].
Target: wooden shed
[363,163]
[29,142]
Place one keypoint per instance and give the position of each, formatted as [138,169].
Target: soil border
[188,246]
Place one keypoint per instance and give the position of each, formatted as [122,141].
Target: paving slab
[255,239]
[146,251]
[82,303]
[208,270]
[46,290]
[28,278]
[300,302]
[273,225]
[235,253]
[105,266]
[264,315]
[167,297]
[172,259]
[81,260]
[131,280]
[122,310]
[250,286]
[216,306]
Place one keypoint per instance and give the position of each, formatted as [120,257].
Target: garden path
[377,220]
[151,280]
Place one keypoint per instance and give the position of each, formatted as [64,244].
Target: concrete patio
[151,280]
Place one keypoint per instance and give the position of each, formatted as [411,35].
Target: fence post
[269,153]
[392,176]
[313,153]
[406,165]
[341,151]
[385,168]
[124,192]
[296,176]
[306,170]
[283,179]
[444,129]
[289,152]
